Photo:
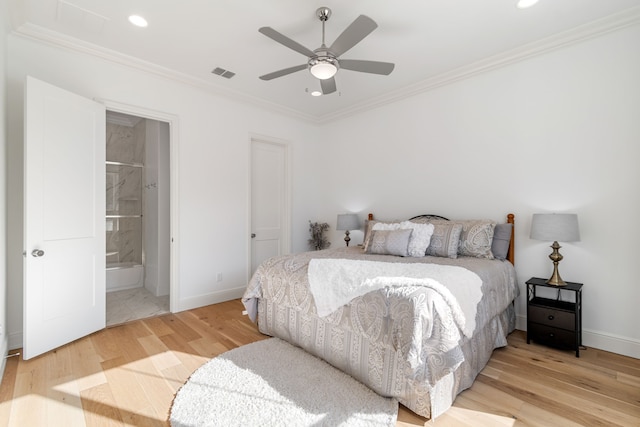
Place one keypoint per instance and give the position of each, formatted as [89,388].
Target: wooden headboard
[511,256]
[510,220]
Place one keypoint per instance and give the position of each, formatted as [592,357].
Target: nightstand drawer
[551,317]
[552,336]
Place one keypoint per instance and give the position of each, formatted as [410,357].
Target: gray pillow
[476,238]
[501,240]
[445,239]
[389,242]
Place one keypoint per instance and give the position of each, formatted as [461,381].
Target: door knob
[253,235]
[37,253]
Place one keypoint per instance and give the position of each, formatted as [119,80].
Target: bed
[417,325]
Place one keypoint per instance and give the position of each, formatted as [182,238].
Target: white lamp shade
[555,227]
[348,222]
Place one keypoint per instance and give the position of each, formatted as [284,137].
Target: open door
[64,206]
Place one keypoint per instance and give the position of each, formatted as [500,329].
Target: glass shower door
[124,214]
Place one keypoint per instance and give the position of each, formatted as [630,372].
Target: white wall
[4,30]
[555,133]
[213,161]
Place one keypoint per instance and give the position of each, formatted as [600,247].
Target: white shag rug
[272,383]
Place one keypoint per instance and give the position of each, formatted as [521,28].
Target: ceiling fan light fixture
[323,68]
[315,93]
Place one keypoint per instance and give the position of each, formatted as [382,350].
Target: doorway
[137,218]
[270,201]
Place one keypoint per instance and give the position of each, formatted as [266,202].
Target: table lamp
[348,222]
[555,227]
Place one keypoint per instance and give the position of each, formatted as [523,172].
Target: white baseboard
[607,342]
[615,344]
[208,299]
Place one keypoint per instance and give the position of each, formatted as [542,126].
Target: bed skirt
[380,366]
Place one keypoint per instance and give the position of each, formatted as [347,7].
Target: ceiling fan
[324,62]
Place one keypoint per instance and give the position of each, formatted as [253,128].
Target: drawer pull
[551,335]
[551,317]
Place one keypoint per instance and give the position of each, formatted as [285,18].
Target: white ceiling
[430,41]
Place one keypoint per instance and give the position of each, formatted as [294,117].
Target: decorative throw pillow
[501,240]
[389,242]
[420,237]
[476,238]
[445,239]
[368,228]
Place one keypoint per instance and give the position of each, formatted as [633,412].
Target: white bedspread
[335,282]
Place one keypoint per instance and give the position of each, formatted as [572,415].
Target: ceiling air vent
[223,73]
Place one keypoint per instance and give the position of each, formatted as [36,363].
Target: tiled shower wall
[124,193]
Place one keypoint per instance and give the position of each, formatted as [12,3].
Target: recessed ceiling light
[316,93]
[523,4]
[138,21]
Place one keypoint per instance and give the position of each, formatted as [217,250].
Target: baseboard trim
[212,298]
[613,343]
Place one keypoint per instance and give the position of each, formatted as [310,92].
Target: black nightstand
[554,321]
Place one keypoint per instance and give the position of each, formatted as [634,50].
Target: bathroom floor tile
[132,304]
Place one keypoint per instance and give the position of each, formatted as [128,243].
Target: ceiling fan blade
[353,34]
[373,67]
[283,72]
[284,40]
[328,86]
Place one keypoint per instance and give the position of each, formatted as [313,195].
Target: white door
[64,208]
[269,201]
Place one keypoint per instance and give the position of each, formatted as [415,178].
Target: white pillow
[420,237]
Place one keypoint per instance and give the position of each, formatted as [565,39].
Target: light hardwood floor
[127,376]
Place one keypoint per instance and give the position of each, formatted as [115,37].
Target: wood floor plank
[130,397]
[7,389]
[176,376]
[128,375]
[100,408]
[157,391]
[86,364]
[161,357]
[174,322]
[157,326]
[64,404]
[30,402]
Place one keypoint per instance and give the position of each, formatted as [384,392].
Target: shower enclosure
[137,204]
[124,202]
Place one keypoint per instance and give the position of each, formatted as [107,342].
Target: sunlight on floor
[470,417]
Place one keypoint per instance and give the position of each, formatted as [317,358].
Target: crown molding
[56,39]
[575,35]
